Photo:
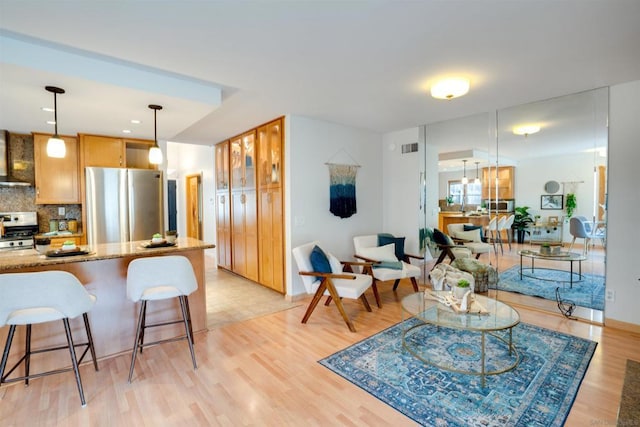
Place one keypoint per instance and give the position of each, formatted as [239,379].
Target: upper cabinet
[506,183]
[102,151]
[110,152]
[270,156]
[57,180]
[243,160]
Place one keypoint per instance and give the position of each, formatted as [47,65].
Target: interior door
[193,206]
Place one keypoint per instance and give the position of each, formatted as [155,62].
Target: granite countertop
[24,258]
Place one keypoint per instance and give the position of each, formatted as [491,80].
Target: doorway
[194,205]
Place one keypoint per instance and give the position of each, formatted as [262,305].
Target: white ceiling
[366,64]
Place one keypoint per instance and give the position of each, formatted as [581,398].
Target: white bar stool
[31,298]
[158,278]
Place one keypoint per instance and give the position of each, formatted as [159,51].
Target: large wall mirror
[551,157]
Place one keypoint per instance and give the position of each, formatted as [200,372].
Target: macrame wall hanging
[342,190]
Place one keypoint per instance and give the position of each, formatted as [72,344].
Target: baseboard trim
[625,326]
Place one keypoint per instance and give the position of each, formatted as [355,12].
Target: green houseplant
[521,221]
[571,204]
[461,288]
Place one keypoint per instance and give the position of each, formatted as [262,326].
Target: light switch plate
[62,211]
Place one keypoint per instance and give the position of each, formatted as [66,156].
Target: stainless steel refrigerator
[123,204]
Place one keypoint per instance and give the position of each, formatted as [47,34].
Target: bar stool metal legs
[142,325]
[26,358]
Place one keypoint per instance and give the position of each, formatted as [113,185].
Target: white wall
[189,159]
[401,187]
[309,144]
[532,174]
[623,232]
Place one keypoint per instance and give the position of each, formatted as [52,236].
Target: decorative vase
[545,250]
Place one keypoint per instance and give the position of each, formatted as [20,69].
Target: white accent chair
[159,278]
[336,285]
[367,249]
[32,298]
[470,239]
[507,229]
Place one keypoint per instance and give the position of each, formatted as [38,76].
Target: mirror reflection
[532,178]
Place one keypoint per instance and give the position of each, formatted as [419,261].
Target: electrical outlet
[62,211]
[610,295]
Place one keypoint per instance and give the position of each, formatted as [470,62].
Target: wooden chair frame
[327,284]
[371,262]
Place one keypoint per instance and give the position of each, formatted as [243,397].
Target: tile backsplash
[22,199]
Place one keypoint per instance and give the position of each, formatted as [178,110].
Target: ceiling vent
[410,148]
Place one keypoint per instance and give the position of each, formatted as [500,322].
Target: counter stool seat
[32,298]
[159,278]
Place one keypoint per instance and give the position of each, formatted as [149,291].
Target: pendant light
[465,180]
[155,154]
[477,181]
[55,145]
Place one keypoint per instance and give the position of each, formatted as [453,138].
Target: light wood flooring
[264,372]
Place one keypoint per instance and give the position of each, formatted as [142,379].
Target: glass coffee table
[569,257]
[498,316]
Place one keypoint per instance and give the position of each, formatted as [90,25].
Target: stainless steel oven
[501,206]
[17,230]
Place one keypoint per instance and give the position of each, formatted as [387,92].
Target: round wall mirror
[551,187]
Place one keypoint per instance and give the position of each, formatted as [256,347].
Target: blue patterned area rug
[586,293]
[539,391]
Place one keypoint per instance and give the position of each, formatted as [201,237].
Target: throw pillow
[319,261]
[442,239]
[473,235]
[476,227]
[385,239]
[380,253]
[397,265]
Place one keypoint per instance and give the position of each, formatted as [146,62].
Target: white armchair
[334,283]
[386,263]
[470,239]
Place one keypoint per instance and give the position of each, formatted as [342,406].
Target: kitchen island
[103,271]
[446,218]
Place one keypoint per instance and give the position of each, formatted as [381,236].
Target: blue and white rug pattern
[586,293]
[539,391]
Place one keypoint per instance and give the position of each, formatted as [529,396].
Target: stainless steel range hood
[6,178]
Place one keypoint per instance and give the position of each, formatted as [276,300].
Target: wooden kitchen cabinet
[102,151]
[506,183]
[244,224]
[111,152]
[223,206]
[57,180]
[270,206]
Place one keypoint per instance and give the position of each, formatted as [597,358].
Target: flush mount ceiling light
[526,130]
[465,180]
[155,154]
[450,88]
[55,145]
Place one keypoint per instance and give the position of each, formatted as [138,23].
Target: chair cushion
[380,253]
[319,261]
[385,239]
[408,270]
[472,235]
[468,227]
[336,265]
[442,239]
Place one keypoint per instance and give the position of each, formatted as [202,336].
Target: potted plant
[521,221]
[461,288]
[449,200]
[545,249]
[571,204]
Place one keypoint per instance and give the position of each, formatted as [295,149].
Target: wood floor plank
[265,372]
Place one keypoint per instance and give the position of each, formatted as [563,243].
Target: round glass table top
[498,315]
